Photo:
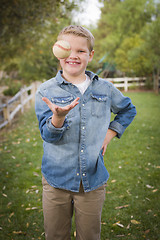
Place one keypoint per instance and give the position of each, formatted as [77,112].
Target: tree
[119,34]
[28,31]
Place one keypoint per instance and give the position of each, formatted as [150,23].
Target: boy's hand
[110,134]
[59,113]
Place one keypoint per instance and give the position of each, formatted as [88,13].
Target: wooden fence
[26,95]
[17,103]
[127,82]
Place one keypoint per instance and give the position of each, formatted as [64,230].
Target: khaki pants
[58,208]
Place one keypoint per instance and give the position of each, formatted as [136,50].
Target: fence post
[125,84]
[35,86]
[33,91]
[21,101]
[6,113]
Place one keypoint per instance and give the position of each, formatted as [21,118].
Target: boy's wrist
[57,121]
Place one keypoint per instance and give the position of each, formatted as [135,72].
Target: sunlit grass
[131,209]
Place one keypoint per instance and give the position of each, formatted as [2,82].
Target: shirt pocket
[99,104]
[64,101]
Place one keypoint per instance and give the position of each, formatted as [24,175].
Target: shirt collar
[61,80]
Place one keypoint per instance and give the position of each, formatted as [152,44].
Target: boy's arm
[109,135]
[52,125]
[123,109]
[125,112]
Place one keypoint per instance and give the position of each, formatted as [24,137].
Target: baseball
[61,49]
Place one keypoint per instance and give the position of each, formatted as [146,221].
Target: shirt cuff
[53,129]
[117,127]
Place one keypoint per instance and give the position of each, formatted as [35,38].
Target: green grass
[131,209]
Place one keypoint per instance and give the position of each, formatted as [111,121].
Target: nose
[73,55]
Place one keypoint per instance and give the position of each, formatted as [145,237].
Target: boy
[74,110]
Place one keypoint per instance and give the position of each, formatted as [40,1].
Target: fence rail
[26,95]
[17,103]
[127,82]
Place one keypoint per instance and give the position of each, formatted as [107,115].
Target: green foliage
[13,88]
[128,33]
[28,32]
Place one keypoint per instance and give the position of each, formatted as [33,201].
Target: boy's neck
[74,79]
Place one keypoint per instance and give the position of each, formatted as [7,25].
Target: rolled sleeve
[117,127]
[55,130]
[124,110]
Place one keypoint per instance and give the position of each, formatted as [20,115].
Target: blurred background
[127,34]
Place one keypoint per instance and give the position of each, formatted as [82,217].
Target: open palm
[60,111]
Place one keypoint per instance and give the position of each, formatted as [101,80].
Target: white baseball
[61,49]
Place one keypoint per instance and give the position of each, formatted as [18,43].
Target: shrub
[13,89]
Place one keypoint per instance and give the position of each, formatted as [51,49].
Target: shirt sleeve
[124,110]
[48,132]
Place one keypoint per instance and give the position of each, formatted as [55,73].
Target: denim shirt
[73,153]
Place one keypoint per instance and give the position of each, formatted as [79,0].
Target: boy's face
[75,65]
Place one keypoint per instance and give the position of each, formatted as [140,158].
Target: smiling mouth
[73,63]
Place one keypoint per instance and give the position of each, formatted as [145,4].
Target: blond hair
[80,32]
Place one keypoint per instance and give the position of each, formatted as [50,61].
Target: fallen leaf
[148,199]
[155,190]
[124,206]
[149,186]
[113,181]
[9,204]
[27,209]
[11,214]
[4,195]
[19,232]
[128,192]
[118,224]
[147,231]
[135,222]
[128,226]
[35,174]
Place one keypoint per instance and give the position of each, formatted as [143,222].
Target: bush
[13,89]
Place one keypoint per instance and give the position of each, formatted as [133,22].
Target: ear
[91,55]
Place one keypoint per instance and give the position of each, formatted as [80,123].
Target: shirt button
[63,101]
[82,150]
[77,174]
[83,104]
[84,174]
[83,128]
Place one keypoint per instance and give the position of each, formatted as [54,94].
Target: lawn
[131,209]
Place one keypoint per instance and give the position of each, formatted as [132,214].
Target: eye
[81,51]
